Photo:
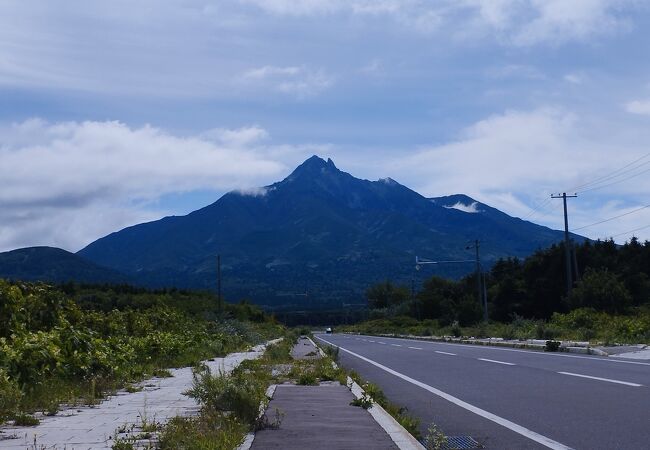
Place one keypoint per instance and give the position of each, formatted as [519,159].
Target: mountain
[320,231]
[54,265]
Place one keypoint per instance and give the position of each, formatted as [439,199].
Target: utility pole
[567,248]
[219,282]
[482,294]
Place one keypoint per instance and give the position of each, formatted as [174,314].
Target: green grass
[583,324]
[25,420]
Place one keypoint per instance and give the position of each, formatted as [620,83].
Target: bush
[552,346]
[55,348]
[240,393]
[9,396]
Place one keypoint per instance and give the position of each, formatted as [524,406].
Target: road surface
[509,398]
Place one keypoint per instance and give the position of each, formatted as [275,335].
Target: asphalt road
[508,398]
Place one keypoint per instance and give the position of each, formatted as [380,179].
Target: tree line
[611,278]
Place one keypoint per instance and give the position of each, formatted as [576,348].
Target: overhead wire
[536,208]
[611,218]
[618,181]
[616,173]
[631,231]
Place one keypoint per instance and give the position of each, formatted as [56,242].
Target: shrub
[365,401]
[25,420]
[240,394]
[552,346]
[9,396]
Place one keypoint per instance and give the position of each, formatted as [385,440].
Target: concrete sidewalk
[321,417]
[95,428]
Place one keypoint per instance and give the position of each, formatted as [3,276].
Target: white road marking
[533,352]
[382,343]
[445,353]
[370,340]
[416,348]
[395,345]
[498,362]
[541,439]
[627,383]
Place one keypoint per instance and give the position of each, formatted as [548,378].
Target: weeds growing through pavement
[435,438]
[399,413]
[365,401]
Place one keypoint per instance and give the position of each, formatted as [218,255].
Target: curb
[585,349]
[250,436]
[398,434]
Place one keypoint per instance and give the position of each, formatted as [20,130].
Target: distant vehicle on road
[328,330]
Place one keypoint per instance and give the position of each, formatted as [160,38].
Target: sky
[115,113]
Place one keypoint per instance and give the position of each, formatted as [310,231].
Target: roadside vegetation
[610,302]
[75,345]
[579,325]
[230,403]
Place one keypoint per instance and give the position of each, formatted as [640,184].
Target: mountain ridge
[52,264]
[319,229]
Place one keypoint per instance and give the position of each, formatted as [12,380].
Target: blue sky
[113,113]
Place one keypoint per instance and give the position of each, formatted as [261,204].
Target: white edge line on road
[545,441]
[416,348]
[627,383]
[395,345]
[382,343]
[495,361]
[445,353]
[534,352]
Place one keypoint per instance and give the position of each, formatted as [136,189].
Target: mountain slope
[54,265]
[320,230]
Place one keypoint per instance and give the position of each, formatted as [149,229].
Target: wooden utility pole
[567,242]
[219,305]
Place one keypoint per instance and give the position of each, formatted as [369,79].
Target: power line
[620,171]
[618,181]
[631,231]
[536,209]
[612,218]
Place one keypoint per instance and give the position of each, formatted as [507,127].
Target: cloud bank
[68,183]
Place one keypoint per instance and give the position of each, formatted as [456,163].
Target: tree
[439,299]
[600,289]
[386,295]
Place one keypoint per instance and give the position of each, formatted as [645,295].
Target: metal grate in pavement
[461,443]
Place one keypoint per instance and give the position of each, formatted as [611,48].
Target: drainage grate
[461,443]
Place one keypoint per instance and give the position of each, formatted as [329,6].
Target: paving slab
[320,418]
[94,428]
[304,349]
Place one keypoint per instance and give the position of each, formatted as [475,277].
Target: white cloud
[300,82]
[562,20]
[573,78]
[271,71]
[508,159]
[638,107]
[69,183]
[517,22]
[472,208]
[237,138]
